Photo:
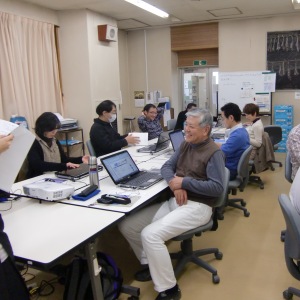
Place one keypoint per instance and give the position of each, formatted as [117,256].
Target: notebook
[75,174]
[124,172]
[176,138]
[162,143]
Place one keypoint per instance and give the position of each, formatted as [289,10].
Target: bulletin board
[246,87]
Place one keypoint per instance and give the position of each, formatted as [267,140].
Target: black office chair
[187,254]
[262,161]
[275,134]
[288,177]
[240,183]
[291,243]
[90,148]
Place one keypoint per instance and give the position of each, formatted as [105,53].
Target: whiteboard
[247,87]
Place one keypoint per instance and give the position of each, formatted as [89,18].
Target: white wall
[242,47]
[90,68]
[150,66]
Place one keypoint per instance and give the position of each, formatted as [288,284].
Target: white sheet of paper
[6,127]
[143,137]
[12,159]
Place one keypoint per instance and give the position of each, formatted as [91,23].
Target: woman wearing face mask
[103,136]
[46,153]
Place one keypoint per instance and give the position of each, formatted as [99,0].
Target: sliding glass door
[200,86]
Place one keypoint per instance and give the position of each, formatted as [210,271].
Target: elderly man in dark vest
[195,174]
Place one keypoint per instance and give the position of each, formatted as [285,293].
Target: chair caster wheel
[219,255]
[246,214]
[243,203]
[287,295]
[215,279]
[261,187]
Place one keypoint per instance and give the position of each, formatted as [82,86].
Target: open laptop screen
[176,138]
[120,166]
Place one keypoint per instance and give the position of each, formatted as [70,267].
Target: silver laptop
[124,172]
[176,137]
[77,173]
[162,143]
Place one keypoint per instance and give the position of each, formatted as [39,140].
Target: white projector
[48,190]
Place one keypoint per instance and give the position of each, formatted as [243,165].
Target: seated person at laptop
[195,175]
[182,117]
[46,153]
[238,140]
[104,138]
[12,285]
[255,126]
[150,121]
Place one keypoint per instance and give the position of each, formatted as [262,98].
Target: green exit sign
[200,62]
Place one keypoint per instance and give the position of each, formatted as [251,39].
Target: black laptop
[162,143]
[124,172]
[176,137]
[75,174]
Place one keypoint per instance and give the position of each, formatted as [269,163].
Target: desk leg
[94,271]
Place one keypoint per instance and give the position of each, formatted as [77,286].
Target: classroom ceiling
[181,11]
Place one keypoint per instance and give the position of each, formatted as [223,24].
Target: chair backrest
[222,198]
[243,165]
[292,235]
[171,124]
[275,133]
[288,168]
[90,148]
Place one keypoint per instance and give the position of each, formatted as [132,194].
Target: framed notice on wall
[283,58]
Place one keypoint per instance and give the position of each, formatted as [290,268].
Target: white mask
[113,117]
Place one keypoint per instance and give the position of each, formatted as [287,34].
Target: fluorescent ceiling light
[296,4]
[146,6]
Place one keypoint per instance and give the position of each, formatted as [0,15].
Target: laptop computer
[124,172]
[176,137]
[162,143]
[75,174]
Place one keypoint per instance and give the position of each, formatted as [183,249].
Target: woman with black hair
[105,139]
[46,153]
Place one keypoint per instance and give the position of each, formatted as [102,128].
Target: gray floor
[252,267]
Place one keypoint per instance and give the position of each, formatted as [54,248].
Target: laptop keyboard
[148,148]
[142,177]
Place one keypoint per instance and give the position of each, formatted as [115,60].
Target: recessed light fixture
[148,7]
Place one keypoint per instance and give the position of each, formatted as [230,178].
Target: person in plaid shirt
[150,121]
[293,146]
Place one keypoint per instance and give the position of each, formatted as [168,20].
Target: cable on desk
[5,201]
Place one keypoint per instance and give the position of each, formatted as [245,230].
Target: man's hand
[175,183]
[181,197]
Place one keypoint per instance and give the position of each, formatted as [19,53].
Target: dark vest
[192,162]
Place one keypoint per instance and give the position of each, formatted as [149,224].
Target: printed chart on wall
[247,87]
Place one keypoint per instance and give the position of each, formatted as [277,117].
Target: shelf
[67,141]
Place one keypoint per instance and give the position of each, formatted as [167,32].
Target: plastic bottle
[19,120]
[93,171]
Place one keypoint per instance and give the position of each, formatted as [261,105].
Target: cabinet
[71,138]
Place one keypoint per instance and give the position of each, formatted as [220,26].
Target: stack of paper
[12,159]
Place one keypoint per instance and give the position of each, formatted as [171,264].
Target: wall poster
[283,58]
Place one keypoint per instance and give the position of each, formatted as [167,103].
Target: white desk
[138,197]
[40,234]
